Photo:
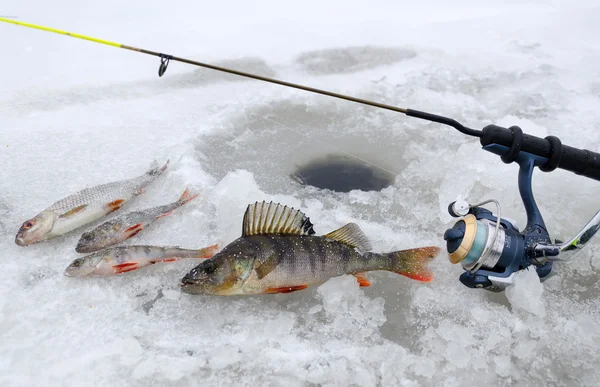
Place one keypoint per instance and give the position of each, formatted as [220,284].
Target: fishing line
[326,144]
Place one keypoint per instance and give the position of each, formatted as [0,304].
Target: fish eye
[210,267]
[77,262]
[28,224]
[87,237]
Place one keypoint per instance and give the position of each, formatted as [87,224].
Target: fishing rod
[491,249]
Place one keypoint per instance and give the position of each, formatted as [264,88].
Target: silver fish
[85,206]
[122,259]
[126,226]
[279,253]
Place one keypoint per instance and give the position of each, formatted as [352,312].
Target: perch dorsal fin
[351,235]
[273,218]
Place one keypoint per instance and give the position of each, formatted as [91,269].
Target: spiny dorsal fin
[351,235]
[274,218]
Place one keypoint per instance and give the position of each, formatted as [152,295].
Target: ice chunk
[526,293]
[350,312]
[503,366]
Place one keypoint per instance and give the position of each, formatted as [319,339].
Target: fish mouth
[24,241]
[78,271]
[187,282]
[73,273]
[20,241]
[191,286]
[84,249]
[69,273]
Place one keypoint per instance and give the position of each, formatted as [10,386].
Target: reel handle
[579,161]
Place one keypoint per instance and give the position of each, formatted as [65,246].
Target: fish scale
[298,252]
[126,226]
[102,194]
[83,207]
[279,253]
[122,259]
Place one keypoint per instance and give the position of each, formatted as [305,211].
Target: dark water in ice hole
[343,174]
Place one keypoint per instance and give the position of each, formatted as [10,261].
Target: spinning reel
[490,248]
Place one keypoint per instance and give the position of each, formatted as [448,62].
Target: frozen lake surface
[76,114]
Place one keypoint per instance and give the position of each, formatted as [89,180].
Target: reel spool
[477,246]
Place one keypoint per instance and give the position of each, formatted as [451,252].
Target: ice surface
[76,114]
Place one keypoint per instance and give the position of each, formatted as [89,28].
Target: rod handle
[579,161]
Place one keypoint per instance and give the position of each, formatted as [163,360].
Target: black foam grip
[580,161]
[515,146]
[556,154]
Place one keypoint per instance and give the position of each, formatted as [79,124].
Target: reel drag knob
[470,242]
[459,239]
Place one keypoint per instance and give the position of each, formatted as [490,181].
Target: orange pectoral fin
[125,267]
[287,289]
[74,211]
[133,230]
[115,205]
[362,280]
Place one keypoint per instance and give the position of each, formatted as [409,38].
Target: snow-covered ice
[75,114]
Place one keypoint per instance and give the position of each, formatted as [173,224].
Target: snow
[76,114]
